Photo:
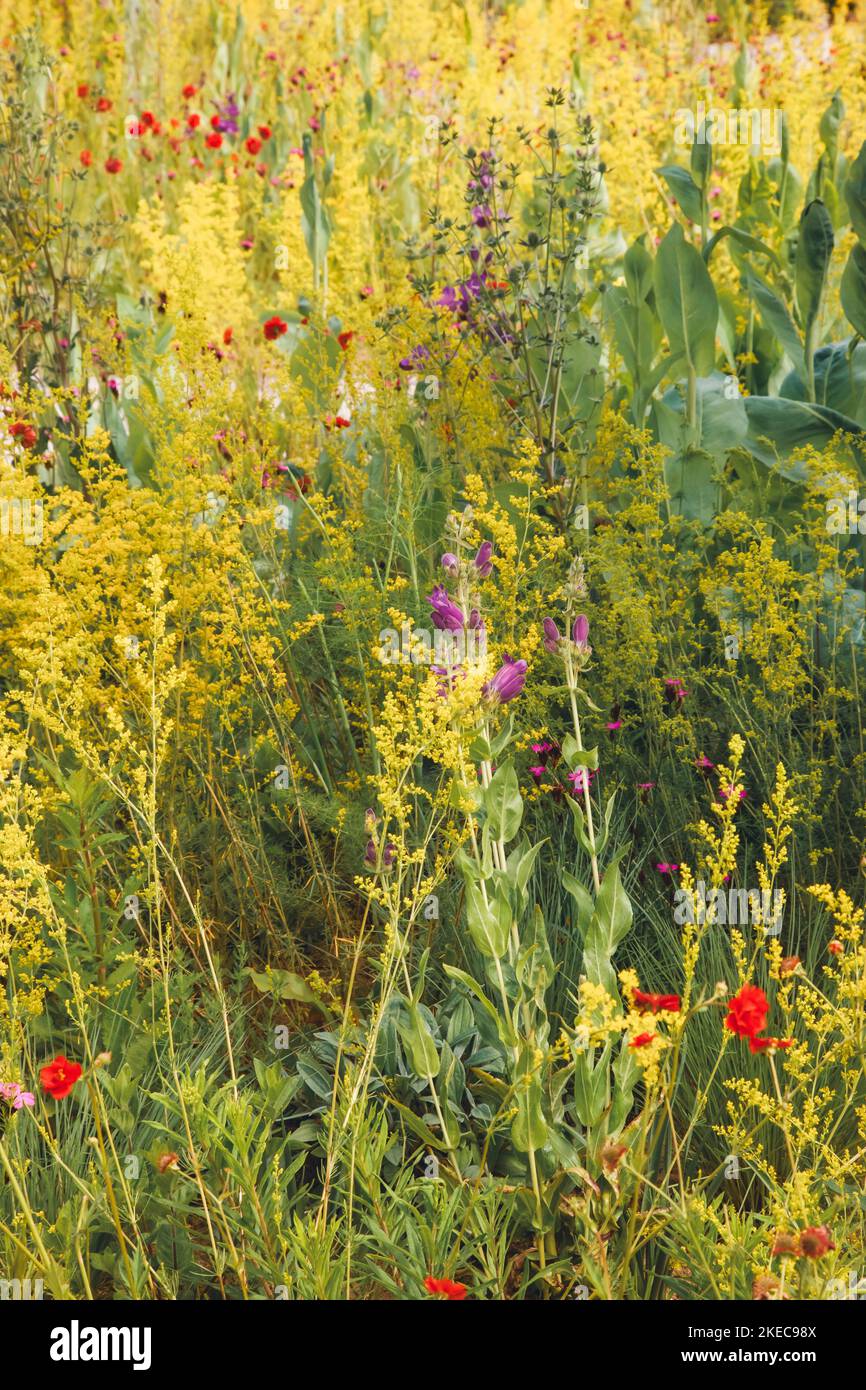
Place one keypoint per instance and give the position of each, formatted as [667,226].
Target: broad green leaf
[503,1026]
[610,922]
[684,190]
[779,430]
[582,899]
[701,158]
[489,922]
[521,862]
[828,128]
[814,249]
[536,969]
[591,1087]
[775,315]
[855,194]
[529,1127]
[576,756]
[419,1041]
[852,291]
[504,803]
[637,264]
[749,243]
[686,302]
[840,378]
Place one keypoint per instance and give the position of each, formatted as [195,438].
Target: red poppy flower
[148,120]
[24,433]
[58,1077]
[748,1012]
[345,338]
[86,158]
[764,1044]
[189,90]
[835,948]
[656,1002]
[214,140]
[83,90]
[274,328]
[193,120]
[815,1241]
[642,1040]
[103,104]
[446,1288]
[113,165]
[227,335]
[265,132]
[253,145]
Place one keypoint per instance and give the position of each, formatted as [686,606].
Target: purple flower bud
[371,854]
[482,559]
[580,631]
[446,615]
[551,635]
[476,622]
[508,681]
[450,564]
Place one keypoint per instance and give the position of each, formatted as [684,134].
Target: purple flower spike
[551,635]
[508,681]
[482,559]
[580,632]
[447,616]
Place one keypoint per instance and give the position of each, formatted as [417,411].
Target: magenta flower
[581,778]
[447,616]
[508,681]
[11,1091]
[580,632]
[482,559]
[542,747]
[450,564]
[551,635]
[704,764]
[675,689]
[668,868]
[612,725]
[538,771]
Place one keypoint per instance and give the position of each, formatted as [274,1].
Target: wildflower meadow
[432,623]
